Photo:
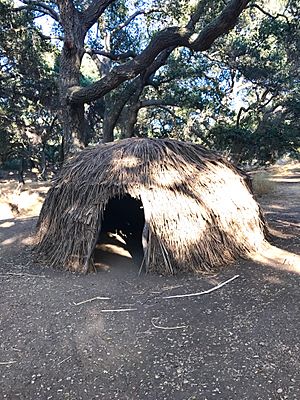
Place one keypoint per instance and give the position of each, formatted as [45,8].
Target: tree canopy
[225,74]
[28,93]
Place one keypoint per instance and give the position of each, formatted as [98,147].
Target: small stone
[279,390]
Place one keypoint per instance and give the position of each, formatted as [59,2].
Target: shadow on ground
[60,339]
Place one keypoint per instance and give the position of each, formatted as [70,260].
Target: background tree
[264,69]
[167,69]
[28,95]
[203,26]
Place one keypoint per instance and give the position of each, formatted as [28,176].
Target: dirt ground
[239,342]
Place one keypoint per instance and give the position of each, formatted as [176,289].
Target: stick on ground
[201,293]
[65,359]
[7,362]
[119,310]
[90,300]
[23,274]
[167,327]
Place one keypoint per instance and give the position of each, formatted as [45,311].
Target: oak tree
[205,23]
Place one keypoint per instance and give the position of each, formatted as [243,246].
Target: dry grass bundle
[200,209]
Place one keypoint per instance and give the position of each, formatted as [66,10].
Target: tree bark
[168,38]
[114,108]
[111,115]
[70,61]
[130,115]
[75,26]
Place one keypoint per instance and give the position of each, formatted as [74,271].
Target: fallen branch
[119,310]
[167,327]
[65,359]
[23,274]
[90,300]
[201,293]
[7,362]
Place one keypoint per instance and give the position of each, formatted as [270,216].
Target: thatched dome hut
[198,209]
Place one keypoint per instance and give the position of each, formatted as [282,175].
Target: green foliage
[261,57]
[28,93]
[240,97]
[256,67]
[262,146]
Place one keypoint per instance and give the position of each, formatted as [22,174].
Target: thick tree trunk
[114,107]
[73,50]
[76,24]
[73,128]
[109,123]
[130,115]
[131,120]
[72,114]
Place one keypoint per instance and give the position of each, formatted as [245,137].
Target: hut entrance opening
[121,230]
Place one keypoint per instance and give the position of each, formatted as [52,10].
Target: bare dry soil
[61,339]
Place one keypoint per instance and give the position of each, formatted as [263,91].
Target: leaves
[241,95]
[28,98]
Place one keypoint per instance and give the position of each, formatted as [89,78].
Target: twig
[167,327]
[201,293]
[119,310]
[23,274]
[7,362]
[90,300]
[65,359]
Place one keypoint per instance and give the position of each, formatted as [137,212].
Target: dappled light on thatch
[199,208]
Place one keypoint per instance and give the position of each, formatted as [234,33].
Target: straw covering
[199,208]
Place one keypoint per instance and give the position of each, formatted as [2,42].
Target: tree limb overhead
[133,16]
[94,11]
[169,37]
[38,6]
[111,56]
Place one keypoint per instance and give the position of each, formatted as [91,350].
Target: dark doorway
[122,225]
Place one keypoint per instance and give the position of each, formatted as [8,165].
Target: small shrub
[262,183]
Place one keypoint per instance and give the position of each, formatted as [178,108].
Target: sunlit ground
[24,201]
[279,259]
[282,208]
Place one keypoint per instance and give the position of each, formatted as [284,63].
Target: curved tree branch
[111,56]
[278,15]
[133,16]
[167,38]
[94,11]
[38,6]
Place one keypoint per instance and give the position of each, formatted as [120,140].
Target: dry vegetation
[264,181]
[199,209]
[26,201]
[21,201]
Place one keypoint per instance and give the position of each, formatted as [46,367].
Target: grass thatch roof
[200,209]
